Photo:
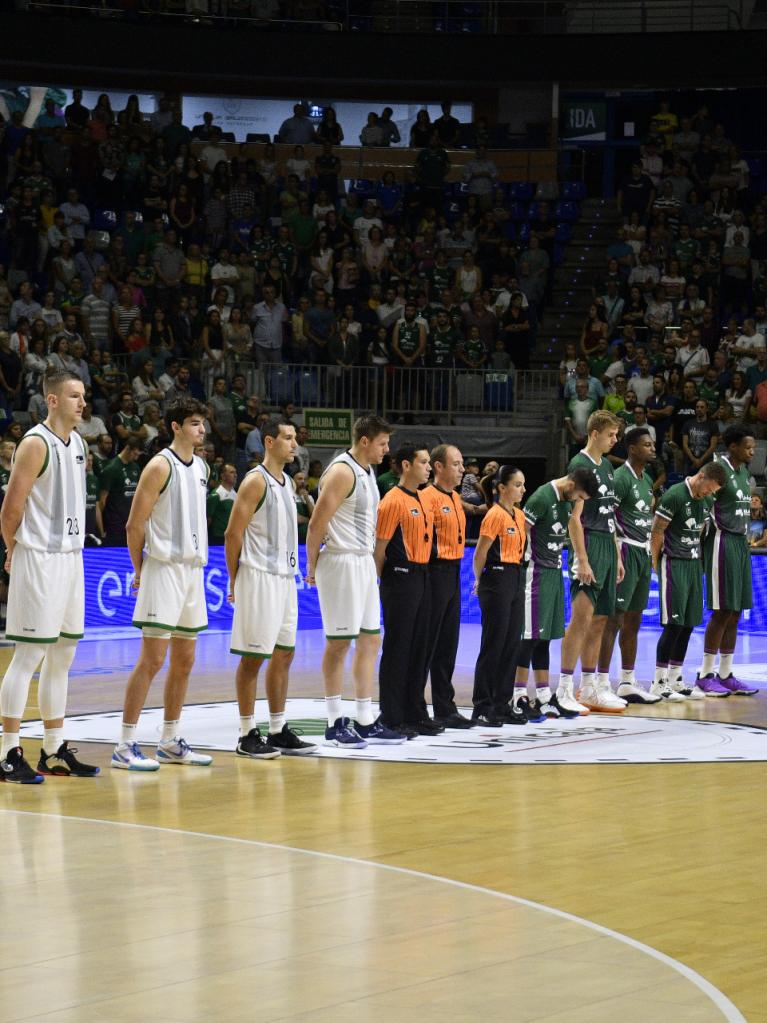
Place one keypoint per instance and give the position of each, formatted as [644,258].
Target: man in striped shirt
[403,548]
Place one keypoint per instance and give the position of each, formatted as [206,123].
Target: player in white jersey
[167,523]
[261,543]
[344,520]
[43,524]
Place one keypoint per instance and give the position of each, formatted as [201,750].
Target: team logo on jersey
[79,458]
[446,509]
[603,490]
[414,511]
[510,530]
[691,523]
[557,527]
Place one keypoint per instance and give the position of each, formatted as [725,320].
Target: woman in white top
[145,386]
[50,314]
[35,365]
[238,336]
[673,281]
[469,276]
[567,365]
[375,255]
[322,206]
[299,165]
[59,357]
[636,233]
[738,394]
[321,275]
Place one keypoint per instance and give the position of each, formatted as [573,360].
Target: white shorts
[171,600]
[265,613]
[46,596]
[348,590]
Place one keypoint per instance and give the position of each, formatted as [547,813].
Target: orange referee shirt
[406,522]
[449,522]
[507,531]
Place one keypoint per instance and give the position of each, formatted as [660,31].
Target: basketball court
[571,872]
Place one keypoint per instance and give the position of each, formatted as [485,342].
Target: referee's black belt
[445,564]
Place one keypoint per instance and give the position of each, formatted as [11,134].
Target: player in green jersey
[546,513]
[675,545]
[633,515]
[408,341]
[596,570]
[728,566]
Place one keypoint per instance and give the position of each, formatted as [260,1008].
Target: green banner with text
[328,426]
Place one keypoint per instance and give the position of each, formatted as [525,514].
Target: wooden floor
[180,894]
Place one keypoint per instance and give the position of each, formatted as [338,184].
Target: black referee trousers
[444,626]
[501,596]
[405,598]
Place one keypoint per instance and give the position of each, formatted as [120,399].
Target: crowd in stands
[676,336]
[152,266]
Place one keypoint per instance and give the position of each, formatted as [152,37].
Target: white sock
[543,694]
[603,679]
[707,665]
[10,741]
[661,673]
[627,677]
[588,679]
[725,665]
[364,712]
[169,731]
[565,682]
[246,724]
[334,708]
[52,739]
[127,734]
[276,722]
[519,690]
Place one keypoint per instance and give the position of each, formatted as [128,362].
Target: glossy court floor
[328,890]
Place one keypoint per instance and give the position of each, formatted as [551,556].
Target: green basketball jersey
[409,337]
[633,512]
[443,345]
[685,515]
[546,516]
[731,511]
[598,513]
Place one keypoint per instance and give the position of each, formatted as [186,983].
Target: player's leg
[581,614]
[127,754]
[57,757]
[613,625]
[726,654]
[628,641]
[664,653]
[13,701]
[281,736]
[173,747]
[250,742]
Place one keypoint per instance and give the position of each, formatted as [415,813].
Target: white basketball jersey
[177,529]
[270,541]
[352,529]
[54,515]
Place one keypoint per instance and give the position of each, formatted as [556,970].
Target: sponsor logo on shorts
[341,628]
[25,628]
[405,570]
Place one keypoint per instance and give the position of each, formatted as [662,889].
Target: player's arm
[248,498]
[480,557]
[99,520]
[27,465]
[336,486]
[150,485]
[659,526]
[578,539]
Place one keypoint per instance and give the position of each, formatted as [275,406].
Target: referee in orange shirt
[445,582]
[403,548]
[499,586]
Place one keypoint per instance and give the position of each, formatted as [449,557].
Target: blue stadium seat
[523,235]
[566,211]
[280,385]
[534,211]
[518,211]
[509,231]
[563,233]
[363,187]
[559,254]
[574,191]
[521,190]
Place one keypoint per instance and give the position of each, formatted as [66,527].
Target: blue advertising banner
[109,602]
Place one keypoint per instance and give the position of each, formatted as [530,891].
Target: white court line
[729,1011]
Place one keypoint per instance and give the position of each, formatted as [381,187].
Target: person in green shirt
[596,570]
[431,169]
[219,505]
[601,359]
[615,402]
[675,547]
[117,485]
[304,228]
[633,516]
[728,564]
[94,526]
[443,342]
[388,480]
[103,454]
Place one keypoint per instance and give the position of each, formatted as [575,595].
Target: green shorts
[681,591]
[603,559]
[544,603]
[633,592]
[728,571]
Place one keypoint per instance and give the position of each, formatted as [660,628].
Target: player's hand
[621,572]
[230,597]
[309,578]
[8,562]
[584,574]
[475,587]
[655,568]
[136,582]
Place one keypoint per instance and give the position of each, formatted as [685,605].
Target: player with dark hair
[633,515]
[547,512]
[167,537]
[675,544]
[728,566]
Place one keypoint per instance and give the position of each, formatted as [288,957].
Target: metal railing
[499,17]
